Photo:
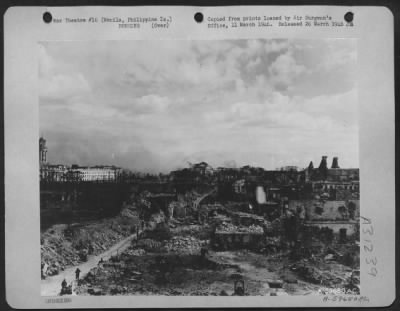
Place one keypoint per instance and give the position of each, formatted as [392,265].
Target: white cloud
[340,53]
[274,46]
[61,86]
[55,83]
[168,101]
[284,70]
[151,104]
[46,63]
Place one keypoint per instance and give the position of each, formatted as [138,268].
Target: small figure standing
[77,272]
[64,288]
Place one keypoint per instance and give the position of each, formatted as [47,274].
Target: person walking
[77,272]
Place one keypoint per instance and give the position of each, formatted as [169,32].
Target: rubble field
[195,250]
[65,245]
[183,262]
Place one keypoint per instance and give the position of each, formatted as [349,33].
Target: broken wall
[320,210]
[351,228]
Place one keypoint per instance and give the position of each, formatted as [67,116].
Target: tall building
[42,151]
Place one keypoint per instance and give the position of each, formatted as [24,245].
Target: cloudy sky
[154,105]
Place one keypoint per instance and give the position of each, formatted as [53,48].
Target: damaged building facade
[322,198]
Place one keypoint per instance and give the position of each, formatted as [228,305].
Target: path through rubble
[51,286]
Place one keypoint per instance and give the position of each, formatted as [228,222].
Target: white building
[97,173]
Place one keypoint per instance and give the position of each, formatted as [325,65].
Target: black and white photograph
[199,167]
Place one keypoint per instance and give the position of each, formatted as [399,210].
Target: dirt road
[51,286]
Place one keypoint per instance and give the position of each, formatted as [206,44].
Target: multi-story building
[333,174]
[63,173]
[51,172]
[97,173]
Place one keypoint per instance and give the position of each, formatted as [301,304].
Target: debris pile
[184,245]
[68,245]
[135,252]
[271,245]
[329,275]
[231,228]
[201,232]
[149,245]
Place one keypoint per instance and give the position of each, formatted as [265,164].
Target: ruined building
[333,174]
[335,182]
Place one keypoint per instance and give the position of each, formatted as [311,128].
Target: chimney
[323,164]
[335,162]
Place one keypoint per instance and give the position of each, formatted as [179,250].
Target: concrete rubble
[196,249]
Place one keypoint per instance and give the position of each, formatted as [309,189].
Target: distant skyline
[154,106]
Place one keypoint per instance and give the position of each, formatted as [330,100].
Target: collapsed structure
[205,232]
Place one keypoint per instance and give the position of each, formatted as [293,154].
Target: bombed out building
[327,196]
[335,183]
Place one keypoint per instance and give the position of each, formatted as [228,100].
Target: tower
[309,171]
[323,165]
[335,163]
[42,151]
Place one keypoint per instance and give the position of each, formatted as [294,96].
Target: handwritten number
[370,231]
[373,260]
[369,248]
[367,221]
[373,272]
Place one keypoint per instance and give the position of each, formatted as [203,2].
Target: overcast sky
[154,105]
